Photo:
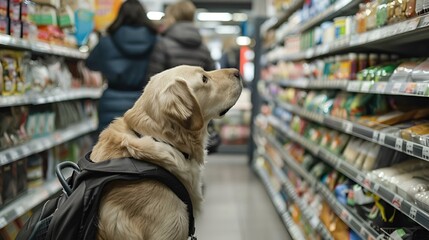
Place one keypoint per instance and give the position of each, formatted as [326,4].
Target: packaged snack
[408,189]
[418,134]
[393,182]
[382,13]
[403,72]
[352,150]
[422,200]
[361,19]
[338,143]
[421,72]
[35,170]
[371,157]
[383,175]
[384,72]
[10,188]
[21,170]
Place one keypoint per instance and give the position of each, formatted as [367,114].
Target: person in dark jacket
[123,58]
[180,43]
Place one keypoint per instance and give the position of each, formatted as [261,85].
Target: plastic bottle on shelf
[410,8]
[362,61]
[361,19]
[371,15]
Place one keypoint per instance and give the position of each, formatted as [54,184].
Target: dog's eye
[205,79]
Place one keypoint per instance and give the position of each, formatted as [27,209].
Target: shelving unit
[57,95]
[43,143]
[406,207]
[358,130]
[28,201]
[309,215]
[409,30]
[406,39]
[400,88]
[33,197]
[352,220]
[280,205]
[337,9]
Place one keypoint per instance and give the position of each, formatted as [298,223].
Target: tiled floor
[236,205]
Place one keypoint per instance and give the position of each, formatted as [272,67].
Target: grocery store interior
[329,138]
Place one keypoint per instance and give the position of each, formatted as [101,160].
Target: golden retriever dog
[168,120]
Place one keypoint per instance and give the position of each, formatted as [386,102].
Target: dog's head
[190,96]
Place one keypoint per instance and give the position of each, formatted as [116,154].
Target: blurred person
[122,56]
[230,55]
[181,43]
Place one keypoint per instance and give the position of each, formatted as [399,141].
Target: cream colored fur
[174,108]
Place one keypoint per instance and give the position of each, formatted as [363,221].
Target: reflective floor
[236,205]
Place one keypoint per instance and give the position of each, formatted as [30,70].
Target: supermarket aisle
[236,205]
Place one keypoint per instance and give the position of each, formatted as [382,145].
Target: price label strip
[398,144]
[409,148]
[425,153]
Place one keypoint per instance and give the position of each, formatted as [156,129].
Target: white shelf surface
[41,47]
[420,89]
[56,95]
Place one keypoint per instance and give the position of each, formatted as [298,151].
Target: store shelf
[41,47]
[420,89]
[57,95]
[355,222]
[358,130]
[43,143]
[409,30]
[408,208]
[339,8]
[280,206]
[29,200]
[309,215]
[282,18]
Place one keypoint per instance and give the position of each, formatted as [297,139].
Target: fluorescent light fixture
[213,16]
[227,30]
[243,41]
[239,17]
[152,15]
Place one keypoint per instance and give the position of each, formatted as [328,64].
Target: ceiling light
[227,30]
[212,16]
[152,15]
[243,41]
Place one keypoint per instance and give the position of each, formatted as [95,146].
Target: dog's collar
[187,156]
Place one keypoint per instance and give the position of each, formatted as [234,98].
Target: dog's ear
[178,103]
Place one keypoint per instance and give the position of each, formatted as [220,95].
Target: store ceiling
[209,26]
[208,5]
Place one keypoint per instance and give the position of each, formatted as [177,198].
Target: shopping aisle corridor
[236,205]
